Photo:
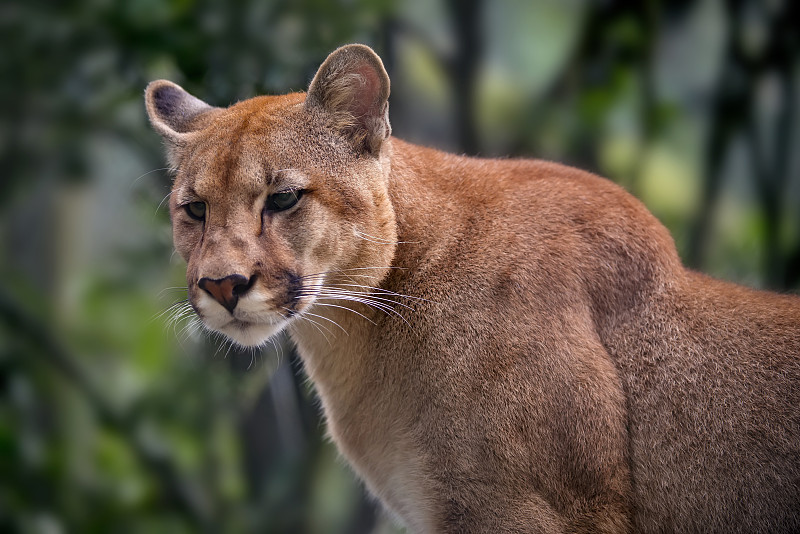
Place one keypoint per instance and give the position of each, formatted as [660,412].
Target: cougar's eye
[284,200]
[196,210]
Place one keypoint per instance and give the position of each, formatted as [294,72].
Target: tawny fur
[557,369]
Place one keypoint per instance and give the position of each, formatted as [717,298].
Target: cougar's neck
[428,202]
[337,344]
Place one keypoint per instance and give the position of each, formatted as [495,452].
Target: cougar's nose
[227,290]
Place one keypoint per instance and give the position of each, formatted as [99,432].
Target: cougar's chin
[250,334]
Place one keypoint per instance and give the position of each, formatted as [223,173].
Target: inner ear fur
[174,113]
[352,86]
[172,110]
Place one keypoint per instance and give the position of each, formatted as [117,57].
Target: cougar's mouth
[254,316]
[250,324]
[248,333]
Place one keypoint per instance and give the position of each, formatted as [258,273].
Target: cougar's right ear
[174,113]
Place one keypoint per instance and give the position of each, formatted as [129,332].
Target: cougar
[498,345]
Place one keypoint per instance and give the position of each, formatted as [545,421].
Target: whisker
[219,347]
[273,338]
[363,296]
[360,295]
[345,278]
[278,348]
[344,275]
[341,271]
[178,323]
[171,309]
[345,308]
[172,288]
[179,313]
[254,353]
[376,305]
[385,308]
[350,278]
[145,174]
[319,328]
[188,330]
[228,351]
[380,241]
[215,338]
[302,315]
[160,204]
[327,319]
[382,291]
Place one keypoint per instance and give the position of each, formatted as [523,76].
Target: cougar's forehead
[238,150]
[246,145]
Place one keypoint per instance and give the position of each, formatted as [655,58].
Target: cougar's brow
[186,195]
[288,177]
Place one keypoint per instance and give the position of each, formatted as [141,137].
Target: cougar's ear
[174,113]
[353,87]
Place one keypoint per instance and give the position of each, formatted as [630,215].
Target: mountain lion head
[276,196]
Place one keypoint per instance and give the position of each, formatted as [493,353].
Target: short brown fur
[555,368]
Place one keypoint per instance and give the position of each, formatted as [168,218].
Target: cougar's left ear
[175,114]
[353,87]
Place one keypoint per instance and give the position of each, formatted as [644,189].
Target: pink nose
[226,290]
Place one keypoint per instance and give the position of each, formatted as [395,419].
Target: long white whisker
[376,305]
[345,308]
[319,328]
[220,346]
[345,293]
[173,308]
[178,318]
[382,291]
[385,308]
[343,275]
[380,241]
[253,357]
[360,295]
[342,271]
[173,288]
[187,330]
[145,174]
[192,326]
[179,314]
[303,315]
[327,319]
[278,349]
[160,204]
[228,350]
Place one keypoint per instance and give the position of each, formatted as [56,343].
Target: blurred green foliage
[114,418]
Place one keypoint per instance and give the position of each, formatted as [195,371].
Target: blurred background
[113,418]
